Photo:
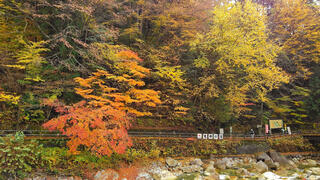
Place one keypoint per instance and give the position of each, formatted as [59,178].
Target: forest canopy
[130,63]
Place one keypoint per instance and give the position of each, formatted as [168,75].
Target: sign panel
[230,129]
[220,136]
[221,131]
[289,130]
[215,136]
[199,136]
[275,124]
[267,128]
[210,136]
[205,136]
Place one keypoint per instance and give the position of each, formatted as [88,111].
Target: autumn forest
[94,69]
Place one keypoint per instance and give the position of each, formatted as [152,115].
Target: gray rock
[197,162]
[308,172]
[177,173]
[262,156]
[198,177]
[171,162]
[165,175]
[220,164]
[270,175]
[276,157]
[252,148]
[313,177]
[38,178]
[292,164]
[311,162]
[243,172]
[191,169]
[224,177]
[229,162]
[210,169]
[65,178]
[144,176]
[315,170]
[106,175]
[261,167]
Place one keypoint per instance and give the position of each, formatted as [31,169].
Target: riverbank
[263,165]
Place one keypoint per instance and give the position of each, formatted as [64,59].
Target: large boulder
[196,161]
[311,162]
[224,163]
[315,170]
[252,148]
[221,164]
[262,156]
[276,157]
[106,175]
[211,171]
[270,175]
[212,177]
[210,168]
[172,162]
[261,167]
[191,168]
[243,172]
[144,176]
[159,172]
[313,177]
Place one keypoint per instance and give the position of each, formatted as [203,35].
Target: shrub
[18,156]
[290,144]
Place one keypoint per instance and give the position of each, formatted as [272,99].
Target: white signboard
[230,129]
[221,131]
[199,136]
[205,136]
[220,136]
[289,130]
[215,136]
[210,136]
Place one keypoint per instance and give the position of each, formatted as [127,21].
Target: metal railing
[47,133]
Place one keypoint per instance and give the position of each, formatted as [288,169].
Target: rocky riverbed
[264,165]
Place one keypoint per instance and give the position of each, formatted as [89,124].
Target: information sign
[210,136]
[220,136]
[205,136]
[275,124]
[215,136]
[267,128]
[221,131]
[289,130]
[199,136]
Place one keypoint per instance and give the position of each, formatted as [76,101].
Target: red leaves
[100,123]
[102,130]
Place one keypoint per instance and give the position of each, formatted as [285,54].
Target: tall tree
[295,27]
[237,60]
[111,101]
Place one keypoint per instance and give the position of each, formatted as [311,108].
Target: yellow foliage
[4,97]
[295,26]
[242,61]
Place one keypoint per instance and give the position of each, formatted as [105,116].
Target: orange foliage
[102,129]
[128,55]
[100,123]
[133,100]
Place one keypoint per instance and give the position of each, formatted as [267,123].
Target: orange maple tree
[100,122]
